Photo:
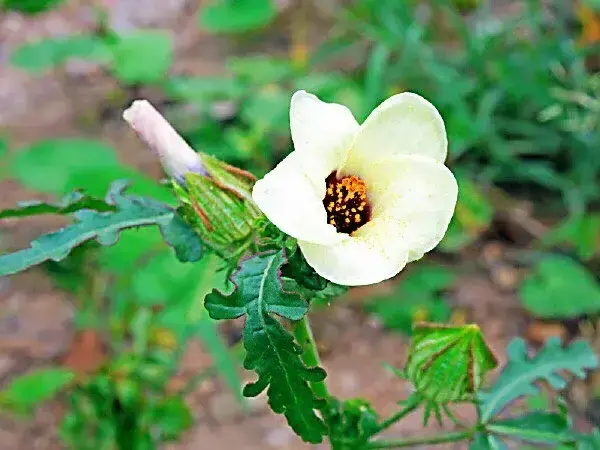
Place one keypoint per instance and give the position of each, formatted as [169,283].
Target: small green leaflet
[435,349]
[521,372]
[27,391]
[131,211]
[270,349]
[541,427]
[70,203]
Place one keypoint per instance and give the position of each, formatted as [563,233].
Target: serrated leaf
[27,391]
[541,427]
[554,279]
[132,211]
[48,53]
[521,372]
[143,57]
[270,348]
[70,203]
[435,348]
[237,16]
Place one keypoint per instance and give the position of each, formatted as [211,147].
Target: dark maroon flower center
[346,203]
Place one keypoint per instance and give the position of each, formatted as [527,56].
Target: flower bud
[447,363]
[216,197]
[176,156]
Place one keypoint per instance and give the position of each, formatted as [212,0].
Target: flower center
[346,203]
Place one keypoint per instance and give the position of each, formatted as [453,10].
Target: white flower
[362,200]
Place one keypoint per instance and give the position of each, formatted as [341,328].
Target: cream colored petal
[292,202]
[419,194]
[370,256]
[404,124]
[323,132]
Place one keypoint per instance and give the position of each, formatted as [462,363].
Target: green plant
[126,403]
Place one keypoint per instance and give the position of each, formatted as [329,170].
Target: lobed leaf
[270,349]
[70,203]
[518,376]
[131,211]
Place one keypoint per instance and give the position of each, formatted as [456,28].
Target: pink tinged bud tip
[176,156]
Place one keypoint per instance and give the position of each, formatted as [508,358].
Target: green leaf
[270,348]
[417,298]
[48,165]
[555,279]
[237,16]
[521,372]
[434,348]
[30,6]
[143,57]
[542,427]
[75,201]
[45,54]
[27,391]
[132,211]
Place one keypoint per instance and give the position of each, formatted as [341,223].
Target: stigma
[346,203]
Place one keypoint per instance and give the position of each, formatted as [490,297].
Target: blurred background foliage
[520,95]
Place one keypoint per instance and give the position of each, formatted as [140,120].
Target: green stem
[433,440]
[310,356]
[397,417]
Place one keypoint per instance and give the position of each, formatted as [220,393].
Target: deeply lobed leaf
[271,350]
[131,211]
[518,377]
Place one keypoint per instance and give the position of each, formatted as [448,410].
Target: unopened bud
[176,156]
[216,197]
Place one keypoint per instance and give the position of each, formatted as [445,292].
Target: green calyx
[448,364]
[219,206]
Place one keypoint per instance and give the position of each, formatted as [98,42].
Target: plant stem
[310,356]
[433,440]
[397,417]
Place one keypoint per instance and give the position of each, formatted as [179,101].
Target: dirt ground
[36,319]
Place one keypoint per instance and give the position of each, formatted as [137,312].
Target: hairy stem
[433,440]
[310,356]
